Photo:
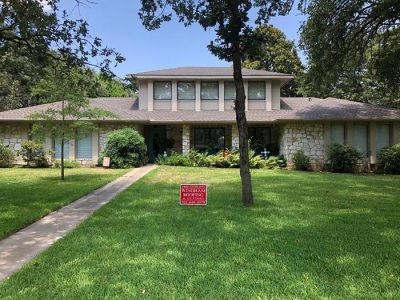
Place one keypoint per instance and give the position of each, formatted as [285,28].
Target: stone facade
[185,138]
[12,136]
[235,137]
[307,137]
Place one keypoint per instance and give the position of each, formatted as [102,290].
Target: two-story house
[193,108]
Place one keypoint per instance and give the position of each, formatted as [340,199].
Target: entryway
[155,137]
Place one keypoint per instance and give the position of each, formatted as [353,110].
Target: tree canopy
[274,52]
[353,49]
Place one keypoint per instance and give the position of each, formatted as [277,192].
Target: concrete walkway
[24,245]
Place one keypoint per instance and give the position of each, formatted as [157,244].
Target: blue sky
[118,24]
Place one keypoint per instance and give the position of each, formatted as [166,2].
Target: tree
[353,49]
[272,51]
[48,35]
[74,115]
[230,21]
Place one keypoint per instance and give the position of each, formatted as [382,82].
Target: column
[197,101]
[268,95]
[95,145]
[235,137]
[150,97]
[246,87]
[185,138]
[372,142]
[174,96]
[221,104]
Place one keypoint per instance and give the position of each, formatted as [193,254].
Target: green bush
[275,162]
[68,164]
[301,161]
[126,148]
[34,154]
[7,157]
[389,160]
[223,159]
[342,158]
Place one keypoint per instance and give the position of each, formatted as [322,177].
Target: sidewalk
[21,247]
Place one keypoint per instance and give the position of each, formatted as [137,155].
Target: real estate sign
[193,194]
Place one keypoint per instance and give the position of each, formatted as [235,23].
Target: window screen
[360,138]
[256,90]
[209,90]
[186,90]
[84,146]
[57,148]
[229,90]
[382,137]
[337,134]
[162,90]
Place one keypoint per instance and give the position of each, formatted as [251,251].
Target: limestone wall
[307,137]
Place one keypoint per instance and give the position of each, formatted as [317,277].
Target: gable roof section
[208,72]
[292,109]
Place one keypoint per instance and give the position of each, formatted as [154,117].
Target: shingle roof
[208,71]
[292,109]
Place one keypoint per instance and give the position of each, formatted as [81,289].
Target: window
[260,138]
[382,137]
[337,134]
[57,148]
[209,90]
[84,146]
[256,90]
[162,90]
[209,140]
[229,90]
[186,90]
[360,138]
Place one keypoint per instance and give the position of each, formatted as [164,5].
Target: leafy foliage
[126,148]
[301,161]
[68,164]
[275,162]
[343,158]
[7,157]
[34,154]
[353,49]
[389,160]
[223,159]
[272,51]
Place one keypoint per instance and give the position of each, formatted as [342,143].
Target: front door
[155,136]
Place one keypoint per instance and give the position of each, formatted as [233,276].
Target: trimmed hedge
[343,158]
[7,157]
[389,160]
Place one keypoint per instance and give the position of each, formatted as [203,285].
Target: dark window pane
[209,90]
[162,90]
[186,90]
[209,140]
[256,90]
[229,90]
[260,139]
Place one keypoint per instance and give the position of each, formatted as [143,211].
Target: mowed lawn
[26,194]
[309,236]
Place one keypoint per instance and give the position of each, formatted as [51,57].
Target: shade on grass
[309,236]
[26,195]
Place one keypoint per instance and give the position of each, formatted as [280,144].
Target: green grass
[26,195]
[309,236]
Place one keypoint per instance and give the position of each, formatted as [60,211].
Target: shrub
[126,148]
[275,162]
[301,161]
[343,158]
[389,160]
[33,154]
[7,157]
[68,164]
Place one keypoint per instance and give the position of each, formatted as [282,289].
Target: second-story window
[209,90]
[229,90]
[256,90]
[186,90]
[162,90]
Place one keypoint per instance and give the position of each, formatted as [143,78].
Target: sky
[117,23]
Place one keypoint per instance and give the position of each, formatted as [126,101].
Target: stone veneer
[12,136]
[235,137]
[185,138]
[307,137]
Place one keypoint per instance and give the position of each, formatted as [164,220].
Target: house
[193,107]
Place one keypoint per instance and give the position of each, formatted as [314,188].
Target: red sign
[193,194]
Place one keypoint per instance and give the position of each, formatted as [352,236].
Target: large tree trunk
[240,103]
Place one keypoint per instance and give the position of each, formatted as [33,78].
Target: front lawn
[26,195]
[309,236]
